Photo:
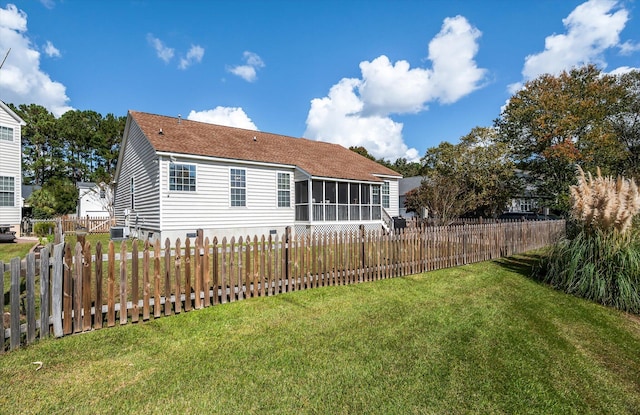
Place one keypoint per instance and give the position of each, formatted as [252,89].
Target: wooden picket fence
[73,224]
[80,291]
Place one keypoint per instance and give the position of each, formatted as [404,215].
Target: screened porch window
[302,201]
[329,201]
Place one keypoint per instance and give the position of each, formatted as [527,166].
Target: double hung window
[7,191]
[238,182]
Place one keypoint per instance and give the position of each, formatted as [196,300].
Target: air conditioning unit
[119,232]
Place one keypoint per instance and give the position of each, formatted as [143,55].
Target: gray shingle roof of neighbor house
[315,157]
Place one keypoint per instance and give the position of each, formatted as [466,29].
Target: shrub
[44,228]
[601,266]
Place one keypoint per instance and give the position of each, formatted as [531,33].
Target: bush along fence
[69,290]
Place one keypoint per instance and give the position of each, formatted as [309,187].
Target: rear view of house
[10,168]
[175,176]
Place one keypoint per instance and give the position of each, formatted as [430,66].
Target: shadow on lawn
[522,264]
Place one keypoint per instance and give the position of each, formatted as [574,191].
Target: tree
[555,122]
[42,155]
[478,169]
[625,122]
[43,202]
[401,165]
[444,198]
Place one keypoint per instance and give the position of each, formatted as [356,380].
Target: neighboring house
[10,168]
[94,200]
[530,200]
[175,176]
[407,184]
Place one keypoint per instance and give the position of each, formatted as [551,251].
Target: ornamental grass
[601,261]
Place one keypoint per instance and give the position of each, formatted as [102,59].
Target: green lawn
[481,338]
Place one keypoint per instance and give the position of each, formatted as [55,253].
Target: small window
[6,133]
[132,191]
[182,177]
[238,183]
[7,191]
[284,190]
[385,195]
[375,195]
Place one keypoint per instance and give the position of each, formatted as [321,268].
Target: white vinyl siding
[209,206]
[139,161]
[10,169]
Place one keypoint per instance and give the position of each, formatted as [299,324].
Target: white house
[406,185]
[10,168]
[175,176]
[94,200]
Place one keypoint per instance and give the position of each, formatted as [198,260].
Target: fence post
[2,336]
[45,292]
[362,249]
[15,303]
[285,244]
[31,297]
[56,294]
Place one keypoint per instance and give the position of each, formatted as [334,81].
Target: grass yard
[481,338]
[9,251]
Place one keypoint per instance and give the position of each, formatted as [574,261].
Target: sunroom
[334,205]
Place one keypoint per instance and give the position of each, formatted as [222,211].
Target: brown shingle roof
[203,139]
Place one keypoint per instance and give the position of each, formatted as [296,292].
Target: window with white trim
[7,191]
[182,177]
[238,182]
[385,195]
[284,190]
[6,133]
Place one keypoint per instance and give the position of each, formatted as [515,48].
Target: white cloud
[622,70]
[22,80]
[591,28]
[357,112]
[165,53]
[49,4]
[194,55]
[51,50]
[452,51]
[248,72]
[229,116]
[628,48]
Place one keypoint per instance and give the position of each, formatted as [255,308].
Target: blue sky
[397,77]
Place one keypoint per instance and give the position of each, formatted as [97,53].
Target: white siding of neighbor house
[394,197]
[140,162]
[209,207]
[10,166]
[89,203]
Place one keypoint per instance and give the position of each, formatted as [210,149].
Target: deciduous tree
[555,122]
